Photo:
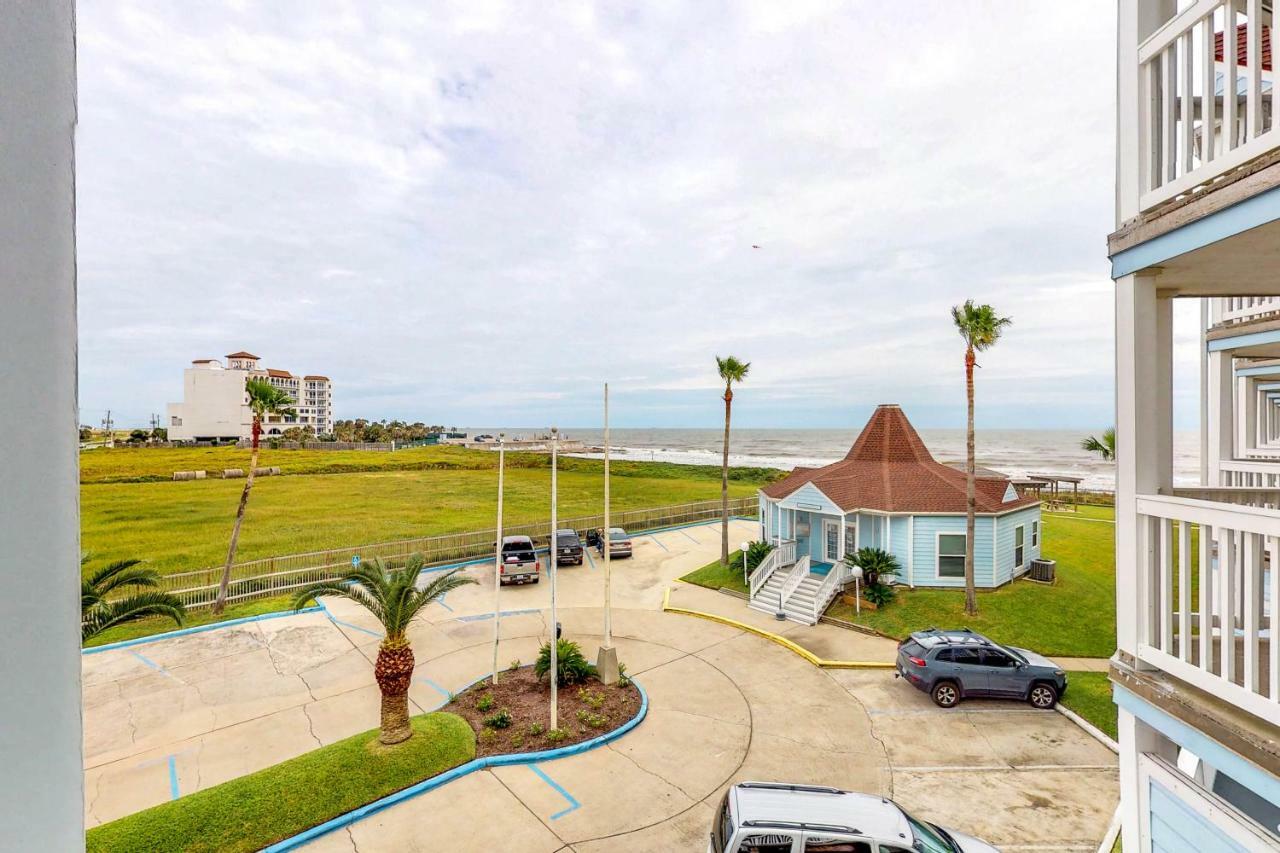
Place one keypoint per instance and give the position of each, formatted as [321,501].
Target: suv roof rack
[785,786]
[796,824]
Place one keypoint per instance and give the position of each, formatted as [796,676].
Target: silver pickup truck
[520,562]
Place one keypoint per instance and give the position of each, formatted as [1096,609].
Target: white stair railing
[799,572]
[831,584]
[760,575]
[786,551]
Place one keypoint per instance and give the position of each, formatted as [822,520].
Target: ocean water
[1015,452]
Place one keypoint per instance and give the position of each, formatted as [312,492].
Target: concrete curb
[1098,734]
[458,772]
[822,663]
[197,629]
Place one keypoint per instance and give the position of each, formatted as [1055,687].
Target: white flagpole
[607,659]
[497,564]
[608,575]
[555,641]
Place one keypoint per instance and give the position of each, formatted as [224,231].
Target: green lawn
[178,526]
[713,576]
[203,616]
[1089,695]
[251,812]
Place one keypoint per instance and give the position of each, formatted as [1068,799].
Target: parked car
[773,817]
[520,562]
[619,542]
[955,665]
[568,547]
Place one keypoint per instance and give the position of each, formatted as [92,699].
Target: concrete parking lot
[167,718]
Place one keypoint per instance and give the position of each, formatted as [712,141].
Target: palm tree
[97,613]
[1106,447]
[731,371]
[980,327]
[394,598]
[264,399]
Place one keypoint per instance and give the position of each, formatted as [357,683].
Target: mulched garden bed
[586,710]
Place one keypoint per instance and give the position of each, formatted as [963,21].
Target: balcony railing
[1208,606]
[1240,309]
[1205,105]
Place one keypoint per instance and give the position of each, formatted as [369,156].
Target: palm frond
[732,370]
[340,589]
[107,614]
[979,325]
[121,574]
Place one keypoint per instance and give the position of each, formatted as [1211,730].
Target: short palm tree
[980,327]
[393,597]
[1104,447]
[98,612]
[264,399]
[731,371]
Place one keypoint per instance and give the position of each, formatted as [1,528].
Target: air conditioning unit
[1043,570]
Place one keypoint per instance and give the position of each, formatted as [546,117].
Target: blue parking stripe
[574,805]
[445,695]
[686,535]
[442,604]
[481,617]
[590,559]
[149,662]
[660,545]
[173,778]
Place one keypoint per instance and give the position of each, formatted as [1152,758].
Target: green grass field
[1089,695]
[195,618]
[254,811]
[187,525]
[1074,617]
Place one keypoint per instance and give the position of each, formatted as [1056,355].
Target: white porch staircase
[783,584]
[798,607]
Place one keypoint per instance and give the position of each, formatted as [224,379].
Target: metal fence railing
[276,575]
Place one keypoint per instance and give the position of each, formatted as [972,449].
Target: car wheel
[1043,696]
[945,694]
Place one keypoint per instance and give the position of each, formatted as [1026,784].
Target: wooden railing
[1210,615]
[1237,309]
[1202,110]
[276,575]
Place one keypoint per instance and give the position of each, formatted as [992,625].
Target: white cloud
[441,206]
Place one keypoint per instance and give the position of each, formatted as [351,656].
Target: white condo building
[215,407]
[1196,676]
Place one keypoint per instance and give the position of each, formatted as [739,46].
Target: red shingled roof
[242,354]
[279,374]
[889,469]
[325,378]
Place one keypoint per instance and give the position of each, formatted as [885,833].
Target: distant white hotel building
[214,404]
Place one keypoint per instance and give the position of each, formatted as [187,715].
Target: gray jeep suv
[955,665]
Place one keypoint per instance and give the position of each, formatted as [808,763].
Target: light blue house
[887,493]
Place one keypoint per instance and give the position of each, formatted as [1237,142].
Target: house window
[850,537]
[1019,543]
[1035,534]
[951,555]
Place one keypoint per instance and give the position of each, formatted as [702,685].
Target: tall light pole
[607,659]
[497,560]
[555,625]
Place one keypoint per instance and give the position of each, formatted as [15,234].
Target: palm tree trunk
[220,603]
[724,483]
[393,670]
[394,721]
[970,594]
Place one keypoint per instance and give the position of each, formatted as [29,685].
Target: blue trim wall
[1005,533]
[925,551]
[1250,213]
[1175,828]
[1249,340]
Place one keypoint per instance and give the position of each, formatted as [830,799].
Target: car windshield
[567,539]
[518,545]
[928,838]
[617,533]
[1014,653]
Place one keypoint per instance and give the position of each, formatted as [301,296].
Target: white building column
[1248,415]
[41,771]
[1219,400]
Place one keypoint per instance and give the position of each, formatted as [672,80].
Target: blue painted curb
[182,632]
[458,772]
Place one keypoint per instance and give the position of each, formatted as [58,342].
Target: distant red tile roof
[325,378]
[889,469]
[203,360]
[280,374]
[1242,40]
[242,354]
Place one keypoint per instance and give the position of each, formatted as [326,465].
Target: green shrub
[595,700]
[879,594]
[487,736]
[589,718]
[500,720]
[573,667]
[536,729]
[517,740]
[485,702]
[624,680]
[556,735]
[877,564]
[514,665]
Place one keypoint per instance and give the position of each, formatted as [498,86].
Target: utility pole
[107,424]
[555,624]
[607,659]
[497,565]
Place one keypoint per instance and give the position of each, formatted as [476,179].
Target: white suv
[772,817]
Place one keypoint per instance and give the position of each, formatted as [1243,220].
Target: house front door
[830,540]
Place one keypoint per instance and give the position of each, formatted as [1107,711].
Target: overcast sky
[477,213]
